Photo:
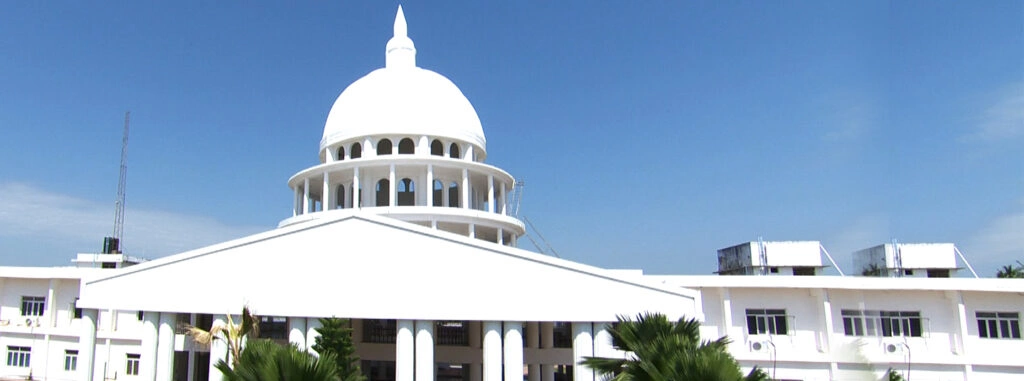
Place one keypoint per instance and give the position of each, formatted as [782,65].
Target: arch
[357,151]
[438,190]
[384,147]
[406,146]
[436,148]
[406,192]
[453,151]
[453,195]
[341,154]
[339,196]
[383,192]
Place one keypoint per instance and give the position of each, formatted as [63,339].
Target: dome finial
[400,51]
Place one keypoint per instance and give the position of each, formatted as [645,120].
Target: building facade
[404,229]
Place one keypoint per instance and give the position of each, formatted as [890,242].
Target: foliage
[893,375]
[336,338]
[265,360]
[663,350]
[872,270]
[232,334]
[1011,271]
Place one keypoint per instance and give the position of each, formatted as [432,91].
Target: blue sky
[649,134]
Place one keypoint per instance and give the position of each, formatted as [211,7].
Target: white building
[404,229]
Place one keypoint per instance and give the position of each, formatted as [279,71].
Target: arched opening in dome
[406,146]
[340,197]
[438,192]
[453,195]
[357,151]
[341,154]
[453,151]
[384,147]
[436,148]
[383,192]
[406,192]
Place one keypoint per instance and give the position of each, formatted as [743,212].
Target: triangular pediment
[367,266]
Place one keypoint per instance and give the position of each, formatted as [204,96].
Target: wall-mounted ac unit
[893,347]
[761,346]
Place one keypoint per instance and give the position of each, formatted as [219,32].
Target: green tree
[265,360]
[336,338]
[893,375]
[1011,271]
[234,335]
[663,350]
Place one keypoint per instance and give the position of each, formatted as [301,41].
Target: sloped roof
[366,266]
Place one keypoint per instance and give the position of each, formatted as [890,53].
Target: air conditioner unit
[893,347]
[761,346]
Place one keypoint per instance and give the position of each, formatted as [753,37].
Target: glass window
[70,360]
[32,305]
[767,321]
[998,325]
[132,367]
[20,357]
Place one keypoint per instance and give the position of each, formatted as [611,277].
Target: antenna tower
[119,203]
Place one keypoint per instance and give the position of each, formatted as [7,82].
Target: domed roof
[402,99]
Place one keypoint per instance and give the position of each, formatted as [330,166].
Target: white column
[444,194]
[312,332]
[726,312]
[532,333]
[490,193]
[582,346]
[297,332]
[472,230]
[502,199]
[492,351]
[165,346]
[424,350]
[305,196]
[603,346]
[356,189]
[404,351]
[465,188]
[826,344]
[298,202]
[430,185]
[87,344]
[547,341]
[218,351]
[50,310]
[501,236]
[191,353]
[392,187]
[513,343]
[325,195]
[147,360]
[957,298]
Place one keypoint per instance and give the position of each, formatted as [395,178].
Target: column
[147,361]
[325,195]
[444,194]
[165,346]
[429,185]
[547,341]
[957,299]
[298,202]
[472,230]
[305,196]
[726,312]
[404,351]
[582,346]
[87,344]
[425,350]
[501,236]
[490,193]
[603,345]
[297,332]
[502,199]
[392,187]
[826,344]
[218,350]
[312,332]
[513,351]
[533,342]
[492,351]
[50,306]
[465,188]
[192,352]
[475,342]
[356,189]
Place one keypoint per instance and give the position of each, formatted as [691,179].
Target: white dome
[403,101]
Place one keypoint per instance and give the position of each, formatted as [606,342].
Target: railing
[453,333]
[379,331]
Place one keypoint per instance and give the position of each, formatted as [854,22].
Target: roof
[843,283]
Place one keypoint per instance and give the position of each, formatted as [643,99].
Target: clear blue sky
[649,134]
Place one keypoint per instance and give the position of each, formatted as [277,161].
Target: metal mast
[119,203]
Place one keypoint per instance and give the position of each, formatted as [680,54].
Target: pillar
[312,332]
[297,332]
[50,310]
[305,196]
[356,189]
[513,343]
[147,360]
[165,346]
[298,202]
[502,199]
[490,193]
[492,351]
[582,346]
[87,344]
[218,351]
[465,188]
[547,341]
[404,351]
[532,333]
[430,185]
[424,350]
[326,201]
[603,346]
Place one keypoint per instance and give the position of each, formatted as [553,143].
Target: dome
[402,99]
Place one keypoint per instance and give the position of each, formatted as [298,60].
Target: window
[274,328]
[70,360]
[406,192]
[453,151]
[383,192]
[436,148]
[77,311]
[132,364]
[767,321]
[379,331]
[451,333]
[32,305]
[384,147]
[19,356]
[139,315]
[357,151]
[406,146]
[998,325]
[884,323]
[341,153]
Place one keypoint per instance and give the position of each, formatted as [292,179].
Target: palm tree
[1011,271]
[234,335]
[265,360]
[662,350]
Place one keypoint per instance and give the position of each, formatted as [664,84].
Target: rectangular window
[882,323]
[274,328]
[71,360]
[32,305]
[132,368]
[379,331]
[998,325]
[78,311]
[767,321]
[20,357]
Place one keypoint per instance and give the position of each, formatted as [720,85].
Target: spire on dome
[400,51]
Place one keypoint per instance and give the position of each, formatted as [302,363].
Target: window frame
[70,360]
[33,306]
[132,363]
[767,321]
[19,357]
[998,325]
[878,323]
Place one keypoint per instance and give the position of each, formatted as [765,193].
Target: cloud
[1000,242]
[29,211]
[1003,118]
